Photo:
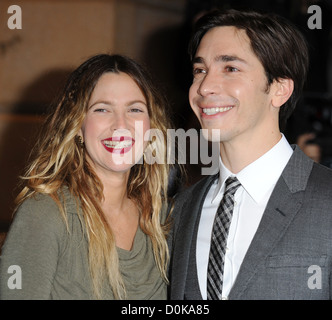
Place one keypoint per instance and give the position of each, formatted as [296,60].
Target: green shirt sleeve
[31,251]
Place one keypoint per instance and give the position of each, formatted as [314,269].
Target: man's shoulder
[195,189]
[189,198]
[321,175]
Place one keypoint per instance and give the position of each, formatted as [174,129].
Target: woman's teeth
[212,111]
[118,144]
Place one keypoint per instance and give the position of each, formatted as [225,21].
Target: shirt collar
[262,174]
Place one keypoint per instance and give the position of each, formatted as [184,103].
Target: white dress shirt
[257,183]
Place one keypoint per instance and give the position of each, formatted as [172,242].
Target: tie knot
[231,185]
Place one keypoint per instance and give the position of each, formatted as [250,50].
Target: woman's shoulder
[39,201]
[44,207]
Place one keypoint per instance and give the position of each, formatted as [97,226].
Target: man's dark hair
[278,44]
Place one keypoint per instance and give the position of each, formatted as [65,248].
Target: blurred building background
[56,36]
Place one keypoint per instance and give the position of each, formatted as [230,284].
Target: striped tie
[219,240]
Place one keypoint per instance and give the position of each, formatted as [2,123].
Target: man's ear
[283,89]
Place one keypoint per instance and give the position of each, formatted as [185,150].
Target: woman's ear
[79,138]
[283,90]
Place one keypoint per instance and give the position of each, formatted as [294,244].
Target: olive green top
[40,259]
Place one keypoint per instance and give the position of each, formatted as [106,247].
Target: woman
[90,222]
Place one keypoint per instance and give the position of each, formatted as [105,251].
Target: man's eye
[198,71]
[231,69]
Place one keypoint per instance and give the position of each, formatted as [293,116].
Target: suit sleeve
[31,251]
[173,216]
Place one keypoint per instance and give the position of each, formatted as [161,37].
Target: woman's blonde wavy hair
[59,160]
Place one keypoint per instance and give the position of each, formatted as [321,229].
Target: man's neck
[236,155]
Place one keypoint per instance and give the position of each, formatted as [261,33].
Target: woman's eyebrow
[110,103]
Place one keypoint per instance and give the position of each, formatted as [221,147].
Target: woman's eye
[100,110]
[135,110]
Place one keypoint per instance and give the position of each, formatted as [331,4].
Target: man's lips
[119,144]
[211,111]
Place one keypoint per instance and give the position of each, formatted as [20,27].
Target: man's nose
[210,84]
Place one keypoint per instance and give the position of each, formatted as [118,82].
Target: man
[249,71]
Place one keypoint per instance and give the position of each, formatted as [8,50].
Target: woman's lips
[119,144]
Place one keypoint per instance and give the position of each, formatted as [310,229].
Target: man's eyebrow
[228,58]
[222,58]
[198,60]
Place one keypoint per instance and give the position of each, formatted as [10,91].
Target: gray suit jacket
[290,254]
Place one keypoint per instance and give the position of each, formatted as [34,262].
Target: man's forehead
[226,43]
[225,34]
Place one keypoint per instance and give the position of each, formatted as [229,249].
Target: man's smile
[213,111]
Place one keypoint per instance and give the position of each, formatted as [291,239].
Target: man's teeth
[118,144]
[212,111]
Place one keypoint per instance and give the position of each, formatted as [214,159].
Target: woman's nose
[119,121]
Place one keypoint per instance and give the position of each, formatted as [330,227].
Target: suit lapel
[190,214]
[285,202]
